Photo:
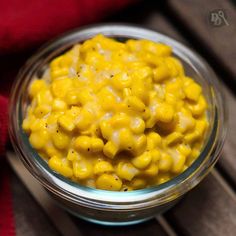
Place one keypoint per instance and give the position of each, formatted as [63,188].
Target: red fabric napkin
[24,25]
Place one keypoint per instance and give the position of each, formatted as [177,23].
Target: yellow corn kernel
[135,103]
[37,86]
[72,97]
[127,92]
[161,73]
[140,144]
[110,149]
[107,99]
[173,138]
[133,45]
[193,156]
[163,177]
[126,171]
[153,140]
[184,150]
[51,150]
[97,144]
[84,120]
[165,113]
[66,60]
[193,91]
[142,161]
[60,140]
[178,164]
[175,88]
[38,124]
[42,110]
[138,183]
[126,139]
[57,165]
[83,143]
[66,122]
[152,170]
[53,117]
[192,137]
[137,125]
[174,66]
[55,63]
[38,139]
[72,155]
[143,72]
[74,111]
[185,121]
[166,162]
[120,120]
[102,167]
[156,155]
[146,113]
[44,97]
[199,108]
[121,81]
[108,182]
[106,129]
[27,123]
[159,49]
[61,86]
[151,121]
[84,96]
[82,169]
[58,105]
[59,72]
[139,90]
[201,126]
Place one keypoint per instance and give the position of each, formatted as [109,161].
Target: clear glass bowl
[107,207]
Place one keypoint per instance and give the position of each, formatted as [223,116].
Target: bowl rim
[154,195]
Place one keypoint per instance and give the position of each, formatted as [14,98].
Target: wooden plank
[199,19]
[30,219]
[208,210]
[227,160]
[62,222]
[150,227]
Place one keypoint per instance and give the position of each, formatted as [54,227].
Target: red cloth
[24,25]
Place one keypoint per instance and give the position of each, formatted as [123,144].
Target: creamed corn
[117,116]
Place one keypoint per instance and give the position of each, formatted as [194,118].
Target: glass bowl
[108,207]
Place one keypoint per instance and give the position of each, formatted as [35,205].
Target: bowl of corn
[117,122]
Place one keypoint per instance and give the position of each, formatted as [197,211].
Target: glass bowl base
[110,223]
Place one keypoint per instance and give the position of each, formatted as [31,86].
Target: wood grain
[218,41]
[227,160]
[207,210]
[30,219]
[150,227]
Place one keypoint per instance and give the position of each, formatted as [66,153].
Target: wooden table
[209,209]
